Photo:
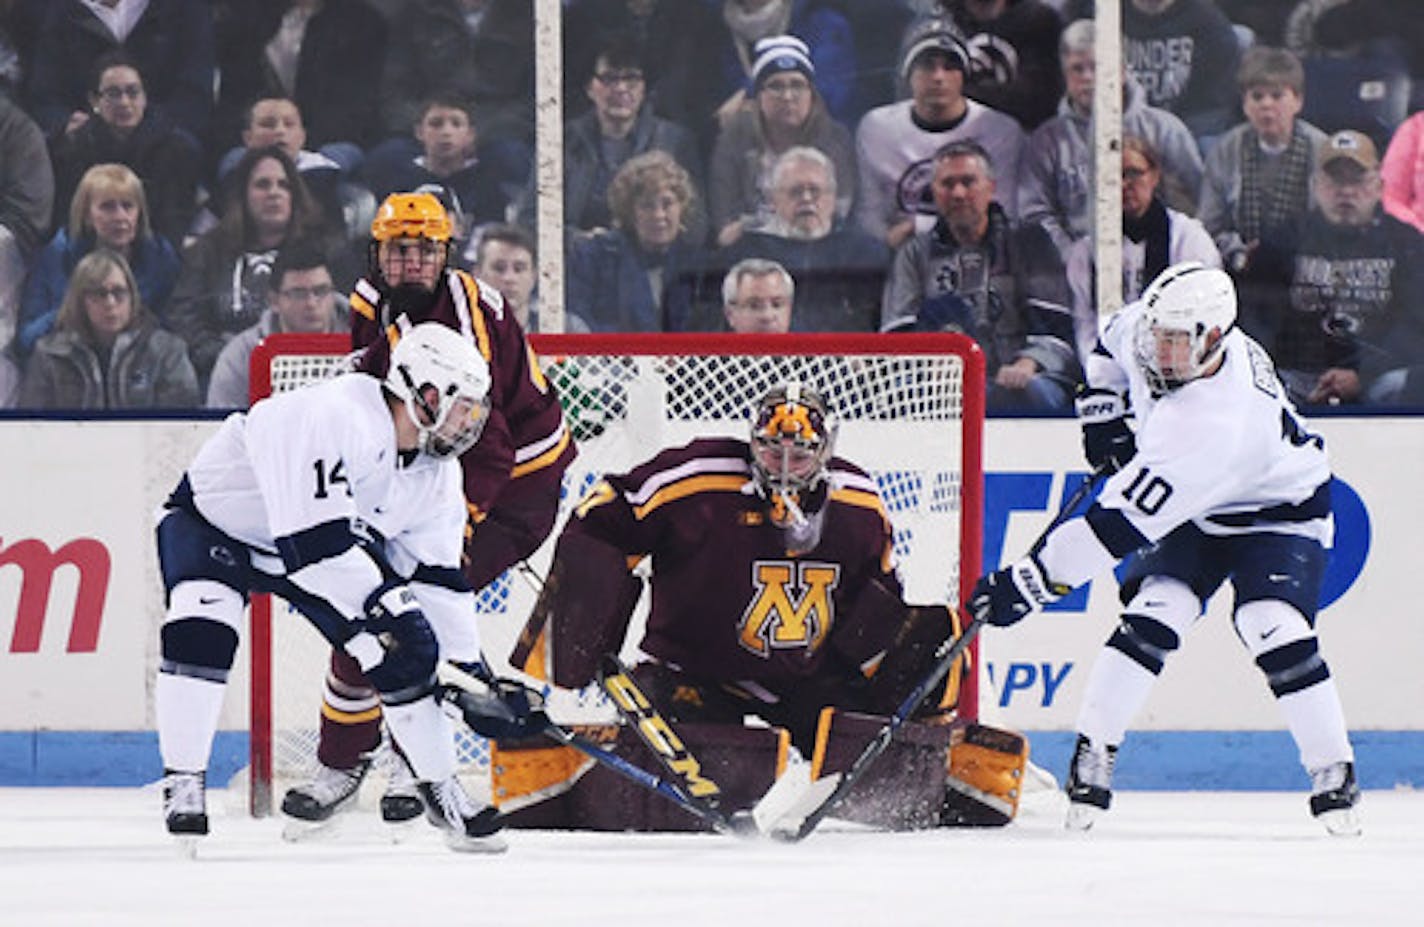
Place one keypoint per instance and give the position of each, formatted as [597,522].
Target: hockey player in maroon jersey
[773,595]
[512,476]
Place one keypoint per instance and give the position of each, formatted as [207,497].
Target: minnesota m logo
[783,615]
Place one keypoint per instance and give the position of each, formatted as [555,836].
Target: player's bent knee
[200,629]
[1284,645]
[1153,624]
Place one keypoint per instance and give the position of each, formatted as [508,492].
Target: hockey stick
[457,678]
[672,754]
[825,794]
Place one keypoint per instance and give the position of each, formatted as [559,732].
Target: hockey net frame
[894,386]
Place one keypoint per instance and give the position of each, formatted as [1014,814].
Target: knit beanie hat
[777,54]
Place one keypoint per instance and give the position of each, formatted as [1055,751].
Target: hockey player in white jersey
[344,498]
[1219,480]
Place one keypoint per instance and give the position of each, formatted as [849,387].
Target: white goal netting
[910,410]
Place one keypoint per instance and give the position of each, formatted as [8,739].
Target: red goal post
[911,413]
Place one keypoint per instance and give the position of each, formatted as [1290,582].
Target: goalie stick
[823,796]
[672,754]
[451,675]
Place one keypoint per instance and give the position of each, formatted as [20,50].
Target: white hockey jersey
[1227,452]
[303,474]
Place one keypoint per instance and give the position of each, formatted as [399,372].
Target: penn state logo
[912,193]
[992,60]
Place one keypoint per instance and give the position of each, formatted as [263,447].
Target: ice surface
[100,856]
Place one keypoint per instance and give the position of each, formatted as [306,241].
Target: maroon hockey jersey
[729,601]
[513,473]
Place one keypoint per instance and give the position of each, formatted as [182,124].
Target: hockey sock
[1317,723]
[187,710]
[1117,687]
[426,736]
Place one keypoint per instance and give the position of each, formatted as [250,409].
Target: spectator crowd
[181,178]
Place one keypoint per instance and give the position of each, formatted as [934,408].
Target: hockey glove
[1108,442]
[1007,596]
[402,666]
[509,710]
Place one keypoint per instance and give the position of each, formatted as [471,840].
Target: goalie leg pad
[743,761]
[583,609]
[904,789]
[986,771]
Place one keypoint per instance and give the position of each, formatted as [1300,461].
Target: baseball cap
[1349,145]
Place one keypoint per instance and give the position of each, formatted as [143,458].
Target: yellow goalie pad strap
[987,764]
[823,736]
[950,700]
[524,774]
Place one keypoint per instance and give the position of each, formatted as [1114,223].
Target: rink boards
[80,604]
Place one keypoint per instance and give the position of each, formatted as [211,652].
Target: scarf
[748,27]
[1156,229]
[1263,210]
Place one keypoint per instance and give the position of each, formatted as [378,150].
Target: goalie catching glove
[506,709]
[1108,441]
[1007,596]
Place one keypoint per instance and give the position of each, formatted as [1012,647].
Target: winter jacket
[166,160]
[1015,67]
[229,386]
[1403,172]
[740,174]
[26,178]
[587,173]
[839,278]
[148,369]
[1221,185]
[154,264]
[1012,285]
[172,43]
[1056,183]
[609,289]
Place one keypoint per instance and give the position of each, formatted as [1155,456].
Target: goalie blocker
[935,773]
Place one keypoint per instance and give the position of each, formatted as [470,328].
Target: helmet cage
[1182,308]
[791,440]
[449,422]
[444,384]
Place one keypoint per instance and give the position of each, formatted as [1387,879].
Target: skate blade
[401,831]
[1081,817]
[462,843]
[1342,822]
[295,830]
[186,845]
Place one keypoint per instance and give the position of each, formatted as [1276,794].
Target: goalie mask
[792,438]
[1186,314]
[444,383]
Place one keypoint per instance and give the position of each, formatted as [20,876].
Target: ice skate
[312,807]
[1334,793]
[401,802]
[468,827]
[1089,784]
[185,809]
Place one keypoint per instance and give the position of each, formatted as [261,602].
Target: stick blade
[783,810]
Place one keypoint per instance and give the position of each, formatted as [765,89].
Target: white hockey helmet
[1186,314]
[445,385]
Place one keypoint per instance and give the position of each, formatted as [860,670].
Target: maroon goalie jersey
[729,601]
[513,473]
